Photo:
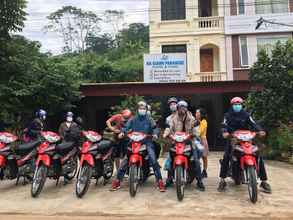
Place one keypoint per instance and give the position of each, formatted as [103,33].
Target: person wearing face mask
[37,125]
[183,121]
[239,119]
[66,126]
[172,103]
[141,123]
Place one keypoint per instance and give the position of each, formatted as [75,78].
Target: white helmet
[182,103]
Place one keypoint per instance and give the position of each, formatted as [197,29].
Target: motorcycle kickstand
[57,181]
[105,181]
[17,181]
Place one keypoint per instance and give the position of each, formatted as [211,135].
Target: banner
[165,68]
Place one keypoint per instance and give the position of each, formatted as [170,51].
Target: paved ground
[60,203]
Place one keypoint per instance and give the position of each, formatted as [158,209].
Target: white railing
[209,23]
[208,77]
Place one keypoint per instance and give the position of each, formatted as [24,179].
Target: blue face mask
[237,107]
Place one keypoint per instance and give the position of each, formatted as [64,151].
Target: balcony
[209,24]
[207,77]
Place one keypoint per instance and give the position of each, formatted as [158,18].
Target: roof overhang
[165,89]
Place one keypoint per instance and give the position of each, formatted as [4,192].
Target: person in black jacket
[238,119]
[37,125]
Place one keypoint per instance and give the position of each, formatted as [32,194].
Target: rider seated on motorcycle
[37,125]
[183,121]
[238,119]
[172,103]
[141,123]
[115,124]
[67,128]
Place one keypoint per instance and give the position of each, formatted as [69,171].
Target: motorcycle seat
[24,148]
[104,144]
[64,146]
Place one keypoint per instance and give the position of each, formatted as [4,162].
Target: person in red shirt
[115,124]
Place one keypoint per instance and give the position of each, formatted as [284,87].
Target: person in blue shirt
[141,123]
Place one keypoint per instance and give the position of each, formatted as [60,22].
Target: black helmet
[79,121]
[172,99]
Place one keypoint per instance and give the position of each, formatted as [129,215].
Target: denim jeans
[153,162]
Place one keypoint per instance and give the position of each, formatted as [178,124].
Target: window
[179,48]
[243,51]
[271,6]
[268,43]
[172,10]
[241,7]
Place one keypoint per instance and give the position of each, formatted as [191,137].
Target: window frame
[240,51]
[165,16]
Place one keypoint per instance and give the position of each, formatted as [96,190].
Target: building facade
[218,36]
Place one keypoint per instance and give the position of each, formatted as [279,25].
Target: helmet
[126,113]
[69,114]
[172,99]
[182,103]
[41,113]
[236,100]
[79,121]
[141,104]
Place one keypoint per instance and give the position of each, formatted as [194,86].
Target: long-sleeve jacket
[142,124]
[178,123]
[71,133]
[239,120]
[35,127]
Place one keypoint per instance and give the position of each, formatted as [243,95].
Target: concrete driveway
[99,203]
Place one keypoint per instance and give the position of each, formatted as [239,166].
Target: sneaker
[222,185]
[204,174]
[266,187]
[169,182]
[200,186]
[115,185]
[161,186]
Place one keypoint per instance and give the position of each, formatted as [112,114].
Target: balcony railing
[208,77]
[209,23]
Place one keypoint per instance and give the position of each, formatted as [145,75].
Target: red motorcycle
[16,162]
[53,161]
[244,161]
[139,168]
[95,161]
[182,162]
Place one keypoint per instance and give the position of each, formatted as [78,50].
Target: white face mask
[44,117]
[173,108]
[69,119]
[142,112]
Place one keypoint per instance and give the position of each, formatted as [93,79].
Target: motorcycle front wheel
[39,180]
[179,181]
[83,180]
[133,179]
[252,183]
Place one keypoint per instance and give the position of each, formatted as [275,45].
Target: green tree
[275,103]
[99,44]
[136,33]
[34,80]
[12,16]
[75,26]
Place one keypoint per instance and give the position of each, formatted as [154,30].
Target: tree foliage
[12,16]
[275,103]
[75,26]
[31,80]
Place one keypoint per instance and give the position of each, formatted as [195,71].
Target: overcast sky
[135,11]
